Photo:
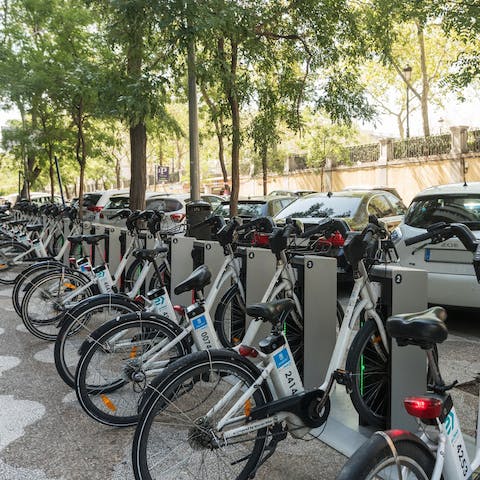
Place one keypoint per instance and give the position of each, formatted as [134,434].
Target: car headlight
[396,235]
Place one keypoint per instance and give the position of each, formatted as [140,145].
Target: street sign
[162,173]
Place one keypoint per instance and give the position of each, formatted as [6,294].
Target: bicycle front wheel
[49,296]
[375,460]
[369,362]
[112,373]
[79,323]
[177,435]
[9,270]
[230,317]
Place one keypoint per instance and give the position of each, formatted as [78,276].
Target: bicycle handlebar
[124,213]
[440,232]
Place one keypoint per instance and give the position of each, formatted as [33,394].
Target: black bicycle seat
[198,279]
[75,239]
[92,239]
[270,311]
[149,254]
[34,227]
[423,329]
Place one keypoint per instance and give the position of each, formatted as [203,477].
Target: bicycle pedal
[342,377]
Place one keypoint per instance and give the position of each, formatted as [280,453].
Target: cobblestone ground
[44,435]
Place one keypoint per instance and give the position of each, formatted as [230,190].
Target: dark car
[354,206]
[256,207]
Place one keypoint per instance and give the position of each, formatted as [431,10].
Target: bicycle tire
[134,270]
[114,402]
[79,322]
[375,459]
[183,394]
[46,327]
[8,274]
[369,364]
[26,276]
[230,332]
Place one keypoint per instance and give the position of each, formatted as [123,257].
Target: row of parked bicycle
[207,398]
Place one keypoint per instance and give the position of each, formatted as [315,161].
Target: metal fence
[473,141]
[422,146]
[364,153]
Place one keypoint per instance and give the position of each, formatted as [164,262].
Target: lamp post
[407,73]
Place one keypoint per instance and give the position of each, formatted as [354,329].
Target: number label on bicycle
[282,358]
[199,322]
[457,451]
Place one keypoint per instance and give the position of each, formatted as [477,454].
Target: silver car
[451,279]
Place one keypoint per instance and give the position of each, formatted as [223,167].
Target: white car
[94,202]
[451,279]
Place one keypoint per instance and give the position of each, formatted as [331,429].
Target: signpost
[162,173]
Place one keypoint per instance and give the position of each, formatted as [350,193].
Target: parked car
[256,206]
[451,279]
[290,193]
[354,206]
[385,188]
[41,198]
[95,202]
[174,205]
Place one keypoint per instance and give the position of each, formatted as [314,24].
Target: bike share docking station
[403,290]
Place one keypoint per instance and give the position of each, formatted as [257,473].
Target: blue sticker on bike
[199,322]
[282,358]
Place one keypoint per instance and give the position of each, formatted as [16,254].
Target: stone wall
[407,175]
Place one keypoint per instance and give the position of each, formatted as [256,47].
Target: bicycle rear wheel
[375,460]
[177,436]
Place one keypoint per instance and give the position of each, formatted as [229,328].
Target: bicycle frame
[230,269]
[281,373]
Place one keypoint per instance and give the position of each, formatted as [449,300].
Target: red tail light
[423,407]
[245,351]
[337,240]
[94,208]
[177,217]
[102,215]
[179,309]
[260,239]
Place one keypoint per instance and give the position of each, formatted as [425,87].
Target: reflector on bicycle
[108,403]
[423,407]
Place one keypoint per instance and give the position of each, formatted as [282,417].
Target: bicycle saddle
[422,328]
[92,239]
[198,279]
[149,254]
[75,239]
[270,311]
[34,227]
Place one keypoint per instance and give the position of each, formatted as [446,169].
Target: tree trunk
[80,189]
[217,118]
[138,130]
[425,81]
[51,172]
[230,78]
[117,173]
[138,166]
[264,170]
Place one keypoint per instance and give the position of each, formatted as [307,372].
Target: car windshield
[321,207]
[424,212]
[244,210]
[90,199]
[118,202]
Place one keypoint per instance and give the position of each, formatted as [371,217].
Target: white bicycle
[437,451]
